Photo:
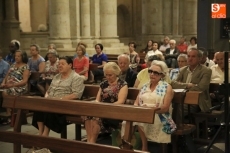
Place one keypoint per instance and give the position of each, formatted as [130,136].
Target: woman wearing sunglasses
[156,93]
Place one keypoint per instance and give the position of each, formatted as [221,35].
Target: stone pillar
[85,18]
[59,23]
[175,17]
[190,18]
[108,14]
[24,15]
[152,18]
[95,18]
[10,26]
[38,14]
[167,20]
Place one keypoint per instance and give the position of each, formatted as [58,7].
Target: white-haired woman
[112,90]
[156,93]
[181,61]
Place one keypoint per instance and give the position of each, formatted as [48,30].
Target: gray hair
[112,66]
[123,55]
[172,41]
[199,52]
[53,52]
[162,65]
[185,56]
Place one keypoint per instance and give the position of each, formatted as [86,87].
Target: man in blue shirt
[14,45]
[4,67]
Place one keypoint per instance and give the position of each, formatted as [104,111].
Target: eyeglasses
[154,72]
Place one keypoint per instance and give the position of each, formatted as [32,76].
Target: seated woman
[134,56]
[15,81]
[143,75]
[51,69]
[112,90]
[182,61]
[156,93]
[81,62]
[66,85]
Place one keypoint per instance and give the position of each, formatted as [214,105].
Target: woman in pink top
[81,62]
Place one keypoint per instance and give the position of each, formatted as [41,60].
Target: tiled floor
[8,148]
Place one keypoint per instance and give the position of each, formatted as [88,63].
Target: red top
[182,48]
[79,64]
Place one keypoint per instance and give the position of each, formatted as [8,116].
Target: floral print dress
[16,75]
[109,94]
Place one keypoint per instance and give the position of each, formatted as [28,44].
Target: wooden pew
[72,107]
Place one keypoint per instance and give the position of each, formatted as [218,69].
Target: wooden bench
[72,107]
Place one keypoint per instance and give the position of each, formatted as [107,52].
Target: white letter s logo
[215,7]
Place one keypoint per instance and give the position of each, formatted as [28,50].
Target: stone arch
[124,24]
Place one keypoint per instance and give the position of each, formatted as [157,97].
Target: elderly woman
[193,43]
[143,75]
[156,93]
[13,47]
[99,58]
[182,61]
[81,62]
[51,69]
[112,90]
[66,85]
[15,81]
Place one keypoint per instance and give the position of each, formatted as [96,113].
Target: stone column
[59,23]
[24,15]
[95,18]
[85,18]
[190,17]
[175,17]
[152,18]
[108,14]
[10,26]
[167,17]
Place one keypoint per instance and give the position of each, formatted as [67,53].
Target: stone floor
[8,148]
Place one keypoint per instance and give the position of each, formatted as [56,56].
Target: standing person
[127,73]
[14,45]
[112,90]
[67,85]
[134,57]
[15,82]
[156,93]
[99,58]
[81,62]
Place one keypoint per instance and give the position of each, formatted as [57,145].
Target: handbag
[169,125]
[43,150]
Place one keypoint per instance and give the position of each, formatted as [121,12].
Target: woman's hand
[2,85]
[9,85]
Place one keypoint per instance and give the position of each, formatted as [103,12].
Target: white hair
[172,41]
[185,56]
[124,55]
[162,65]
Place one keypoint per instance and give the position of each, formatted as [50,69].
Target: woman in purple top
[99,58]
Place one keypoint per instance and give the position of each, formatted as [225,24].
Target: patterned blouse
[16,75]
[109,93]
[51,69]
[62,87]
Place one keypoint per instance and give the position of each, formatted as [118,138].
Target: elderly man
[165,44]
[171,54]
[127,73]
[218,69]
[195,77]
[205,60]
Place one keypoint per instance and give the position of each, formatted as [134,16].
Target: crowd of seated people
[172,68]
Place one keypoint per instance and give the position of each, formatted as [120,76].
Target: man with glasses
[195,77]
